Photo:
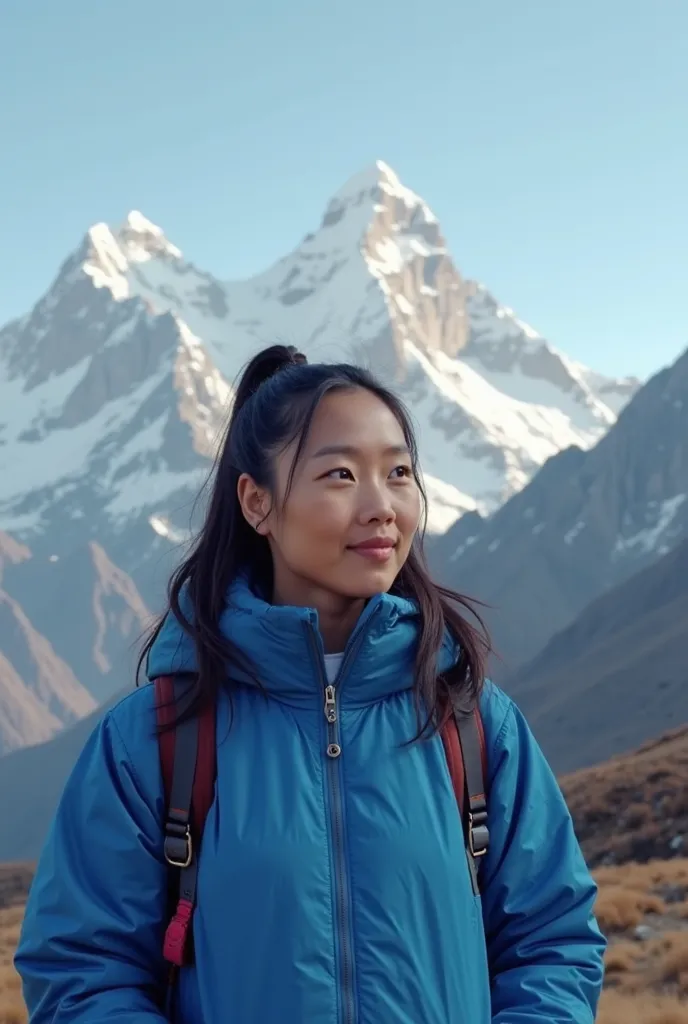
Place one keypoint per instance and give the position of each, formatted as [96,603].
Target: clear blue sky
[550,137]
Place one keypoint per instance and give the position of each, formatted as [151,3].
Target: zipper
[333,750]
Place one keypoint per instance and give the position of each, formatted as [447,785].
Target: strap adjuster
[178,848]
[478,834]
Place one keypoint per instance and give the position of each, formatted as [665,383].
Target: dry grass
[642,910]
[11,1004]
[641,907]
[619,909]
[617,1008]
[14,886]
[631,892]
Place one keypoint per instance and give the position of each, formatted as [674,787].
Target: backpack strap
[463,737]
[188,763]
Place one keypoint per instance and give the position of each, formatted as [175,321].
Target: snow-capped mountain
[114,388]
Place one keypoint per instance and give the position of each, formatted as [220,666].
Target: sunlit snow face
[353,509]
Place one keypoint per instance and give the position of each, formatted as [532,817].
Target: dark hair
[275,400]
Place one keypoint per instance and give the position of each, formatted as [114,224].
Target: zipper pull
[330,704]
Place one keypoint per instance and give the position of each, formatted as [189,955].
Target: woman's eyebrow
[352,452]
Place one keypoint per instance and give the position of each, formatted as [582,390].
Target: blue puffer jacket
[334,892]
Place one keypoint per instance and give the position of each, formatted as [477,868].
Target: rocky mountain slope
[88,608]
[618,675]
[67,626]
[39,692]
[587,521]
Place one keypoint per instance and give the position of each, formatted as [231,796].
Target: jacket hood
[284,646]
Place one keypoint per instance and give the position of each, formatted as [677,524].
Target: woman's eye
[342,473]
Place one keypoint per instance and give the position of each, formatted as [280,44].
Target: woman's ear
[255,503]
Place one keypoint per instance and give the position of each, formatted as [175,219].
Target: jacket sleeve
[91,941]
[545,950]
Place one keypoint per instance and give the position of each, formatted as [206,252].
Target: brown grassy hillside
[643,909]
[634,807]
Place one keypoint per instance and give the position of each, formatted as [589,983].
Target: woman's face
[353,509]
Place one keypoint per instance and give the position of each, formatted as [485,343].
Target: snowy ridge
[659,536]
[115,388]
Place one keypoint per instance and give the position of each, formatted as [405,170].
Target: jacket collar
[285,648]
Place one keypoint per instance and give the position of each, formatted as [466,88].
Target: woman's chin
[375,580]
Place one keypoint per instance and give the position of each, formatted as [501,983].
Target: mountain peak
[109,252]
[378,174]
[136,240]
[374,189]
[141,239]
[137,223]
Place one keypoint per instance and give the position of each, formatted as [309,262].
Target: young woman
[333,882]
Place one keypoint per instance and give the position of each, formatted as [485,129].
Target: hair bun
[297,358]
[262,367]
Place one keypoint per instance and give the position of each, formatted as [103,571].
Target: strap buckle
[478,834]
[178,845]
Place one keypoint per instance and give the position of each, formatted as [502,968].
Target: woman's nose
[377,507]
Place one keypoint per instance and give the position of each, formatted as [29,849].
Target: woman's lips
[378,549]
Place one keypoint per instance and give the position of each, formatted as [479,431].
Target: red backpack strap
[463,737]
[188,763]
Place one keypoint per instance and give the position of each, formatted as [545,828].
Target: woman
[333,883]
